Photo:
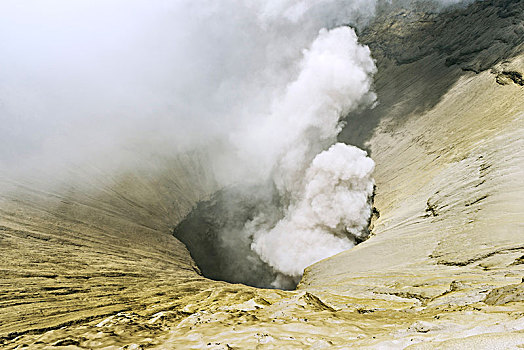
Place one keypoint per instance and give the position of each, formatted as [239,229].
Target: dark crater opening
[214,234]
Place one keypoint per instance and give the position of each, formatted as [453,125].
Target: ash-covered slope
[97,267]
[455,124]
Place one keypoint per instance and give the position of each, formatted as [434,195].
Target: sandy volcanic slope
[98,268]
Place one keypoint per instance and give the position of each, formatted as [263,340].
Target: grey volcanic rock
[96,266]
[508,294]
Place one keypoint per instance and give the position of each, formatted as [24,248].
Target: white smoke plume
[330,211]
[328,192]
[335,78]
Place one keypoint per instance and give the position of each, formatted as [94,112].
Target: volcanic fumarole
[134,130]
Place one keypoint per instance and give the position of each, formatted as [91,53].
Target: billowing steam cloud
[331,210]
[329,196]
[116,85]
